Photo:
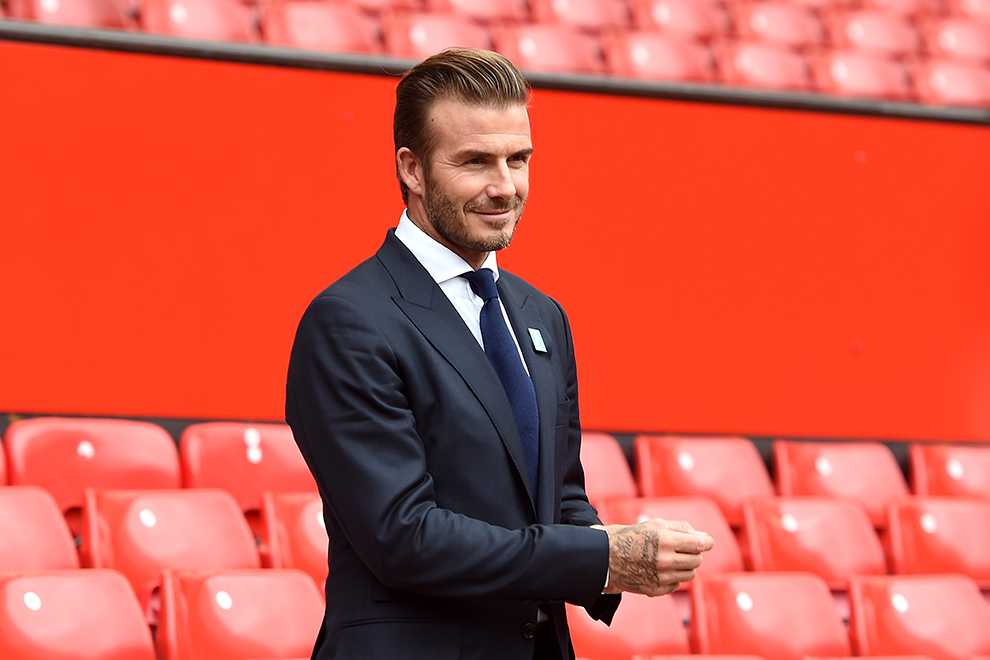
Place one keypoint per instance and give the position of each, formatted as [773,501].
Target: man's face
[477,178]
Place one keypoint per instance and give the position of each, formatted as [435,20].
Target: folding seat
[960,39]
[546,47]
[729,470]
[327,26]
[943,616]
[485,11]
[910,8]
[139,533]
[779,616]
[642,625]
[880,32]
[67,455]
[606,470]
[779,22]
[863,471]
[378,7]
[294,534]
[79,13]
[764,65]
[945,82]
[861,73]
[941,535]
[236,614]
[976,9]
[592,15]
[654,56]
[217,20]
[71,615]
[245,460]
[947,469]
[33,533]
[696,19]
[419,35]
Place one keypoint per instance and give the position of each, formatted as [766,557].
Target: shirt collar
[439,261]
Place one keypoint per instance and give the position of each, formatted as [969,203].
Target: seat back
[78,13]
[327,26]
[294,534]
[975,9]
[863,471]
[958,38]
[832,538]
[65,456]
[71,615]
[140,533]
[232,615]
[946,82]
[943,616]
[779,22]
[642,625]
[876,31]
[779,616]
[220,20]
[606,471]
[941,535]
[946,469]
[700,512]
[862,74]
[591,15]
[763,64]
[243,459]
[650,55]
[486,11]
[729,470]
[693,19]
[33,533]
[418,35]
[548,47]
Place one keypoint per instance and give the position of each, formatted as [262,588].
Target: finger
[678,561]
[692,542]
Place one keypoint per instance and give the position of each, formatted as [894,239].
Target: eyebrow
[468,155]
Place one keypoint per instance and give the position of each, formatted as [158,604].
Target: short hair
[469,75]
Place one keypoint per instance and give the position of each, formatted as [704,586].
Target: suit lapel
[426,306]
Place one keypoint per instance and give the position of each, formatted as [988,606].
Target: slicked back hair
[467,75]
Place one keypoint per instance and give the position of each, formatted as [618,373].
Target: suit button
[529,630]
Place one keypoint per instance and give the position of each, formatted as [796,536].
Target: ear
[410,170]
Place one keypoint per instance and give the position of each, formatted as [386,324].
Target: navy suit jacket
[438,549]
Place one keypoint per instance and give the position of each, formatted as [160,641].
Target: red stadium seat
[485,11]
[71,615]
[326,26]
[863,471]
[947,469]
[943,616]
[419,35]
[876,31]
[779,616]
[380,6]
[863,74]
[912,8]
[757,64]
[606,470]
[33,533]
[832,538]
[294,534]
[218,20]
[79,13]
[557,48]
[67,455]
[232,615]
[941,535]
[961,39]
[696,19]
[591,15]
[653,56]
[944,82]
[728,470]
[642,625]
[245,460]
[139,533]
[779,22]
[975,9]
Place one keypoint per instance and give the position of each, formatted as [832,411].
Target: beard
[451,224]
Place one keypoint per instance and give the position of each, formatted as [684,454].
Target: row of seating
[790,616]
[731,471]
[905,51]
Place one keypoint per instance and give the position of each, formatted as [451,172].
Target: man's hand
[653,557]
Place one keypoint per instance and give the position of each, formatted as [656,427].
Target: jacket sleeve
[348,409]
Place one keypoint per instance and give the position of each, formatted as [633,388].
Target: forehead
[456,125]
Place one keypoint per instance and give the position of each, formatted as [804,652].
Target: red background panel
[726,269]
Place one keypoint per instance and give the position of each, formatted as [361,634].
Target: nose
[502,186]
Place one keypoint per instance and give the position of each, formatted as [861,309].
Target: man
[438,410]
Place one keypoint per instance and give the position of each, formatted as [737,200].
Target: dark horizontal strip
[153,44]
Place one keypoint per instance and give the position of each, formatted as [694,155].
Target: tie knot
[482,283]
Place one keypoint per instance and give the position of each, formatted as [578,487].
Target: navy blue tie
[504,356]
